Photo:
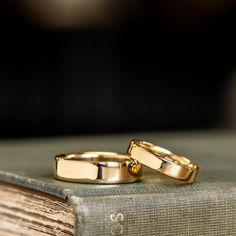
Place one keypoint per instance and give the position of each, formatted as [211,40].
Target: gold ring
[97,167]
[162,160]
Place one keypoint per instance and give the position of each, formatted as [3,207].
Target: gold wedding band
[162,160]
[97,167]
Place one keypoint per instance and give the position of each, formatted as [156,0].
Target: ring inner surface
[168,155]
[97,157]
[180,160]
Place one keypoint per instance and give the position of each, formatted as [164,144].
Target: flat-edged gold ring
[97,167]
[162,160]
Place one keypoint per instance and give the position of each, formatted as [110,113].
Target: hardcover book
[32,202]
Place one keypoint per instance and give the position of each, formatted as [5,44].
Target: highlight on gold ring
[162,160]
[97,167]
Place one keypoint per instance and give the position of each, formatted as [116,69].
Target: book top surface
[29,163]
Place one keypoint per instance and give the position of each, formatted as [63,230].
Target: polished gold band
[162,160]
[97,167]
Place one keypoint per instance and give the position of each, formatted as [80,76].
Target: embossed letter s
[117,227]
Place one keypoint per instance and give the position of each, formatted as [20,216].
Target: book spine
[196,213]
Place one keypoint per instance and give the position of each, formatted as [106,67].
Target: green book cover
[157,205]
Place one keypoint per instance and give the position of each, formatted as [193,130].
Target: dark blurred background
[70,67]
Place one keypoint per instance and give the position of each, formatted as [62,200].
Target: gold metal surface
[97,167]
[162,160]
